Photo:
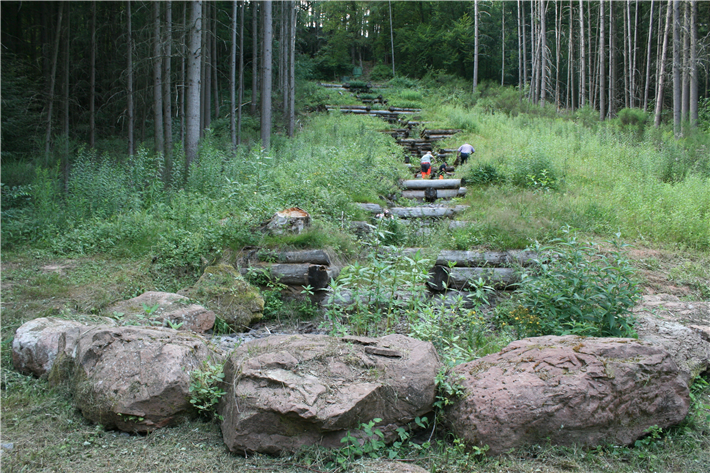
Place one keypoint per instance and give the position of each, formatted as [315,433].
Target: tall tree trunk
[254,57]
[582,61]
[627,67]
[241,75]
[389,2]
[232,78]
[293,14]
[183,73]
[558,52]
[215,60]
[543,54]
[92,78]
[648,60]
[685,81]
[266,76]
[662,65]
[475,45]
[52,79]
[534,52]
[129,73]
[570,60]
[65,155]
[520,55]
[612,61]
[502,54]
[694,63]
[192,102]
[634,56]
[676,69]
[525,53]
[157,80]
[167,89]
[602,73]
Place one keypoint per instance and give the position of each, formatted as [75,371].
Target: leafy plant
[575,288]
[205,388]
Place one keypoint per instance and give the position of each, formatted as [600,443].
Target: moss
[223,290]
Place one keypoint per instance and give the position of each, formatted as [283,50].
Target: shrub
[534,171]
[575,288]
[403,82]
[484,174]
[381,72]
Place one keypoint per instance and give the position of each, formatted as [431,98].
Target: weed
[205,388]
[575,289]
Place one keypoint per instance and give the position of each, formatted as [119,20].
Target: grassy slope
[600,195]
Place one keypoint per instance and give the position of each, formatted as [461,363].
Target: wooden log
[486,258]
[374,208]
[441,131]
[413,184]
[426,212]
[315,275]
[455,224]
[440,193]
[441,277]
[401,109]
[437,137]
[298,257]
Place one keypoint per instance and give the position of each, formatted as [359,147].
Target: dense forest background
[118,75]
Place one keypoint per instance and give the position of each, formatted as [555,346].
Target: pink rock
[173,307]
[37,343]
[568,390]
[285,392]
[135,379]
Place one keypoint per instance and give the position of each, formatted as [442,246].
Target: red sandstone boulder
[568,390]
[153,307]
[285,392]
[37,343]
[135,379]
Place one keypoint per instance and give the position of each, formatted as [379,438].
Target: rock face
[284,392]
[225,291]
[37,343]
[173,307]
[687,346]
[568,390]
[669,307]
[135,379]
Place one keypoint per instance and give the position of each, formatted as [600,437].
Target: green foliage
[381,73]
[633,118]
[534,170]
[484,174]
[271,292]
[206,388]
[574,288]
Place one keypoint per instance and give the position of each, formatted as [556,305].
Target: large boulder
[224,290]
[688,347]
[135,379]
[285,392]
[158,307]
[670,307]
[37,343]
[568,390]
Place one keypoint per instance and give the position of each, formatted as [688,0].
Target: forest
[143,142]
[159,74]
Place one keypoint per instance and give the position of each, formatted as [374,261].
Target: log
[455,224]
[427,212]
[441,131]
[299,257]
[441,277]
[315,275]
[440,193]
[486,258]
[374,208]
[415,184]
[408,110]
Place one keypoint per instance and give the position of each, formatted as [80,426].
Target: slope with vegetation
[537,176]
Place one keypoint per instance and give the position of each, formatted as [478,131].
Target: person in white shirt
[426,164]
[465,151]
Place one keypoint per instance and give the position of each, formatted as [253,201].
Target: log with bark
[316,276]
[445,131]
[297,257]
[427,212]
[486,258]
[440,193]
[416,184]
[442,277]
[406,110]
[368,207]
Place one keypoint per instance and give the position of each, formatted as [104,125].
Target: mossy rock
[222,289]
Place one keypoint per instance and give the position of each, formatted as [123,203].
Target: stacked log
[444,188]
[427,212]
[439,134]
[459,269]
[294,268]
